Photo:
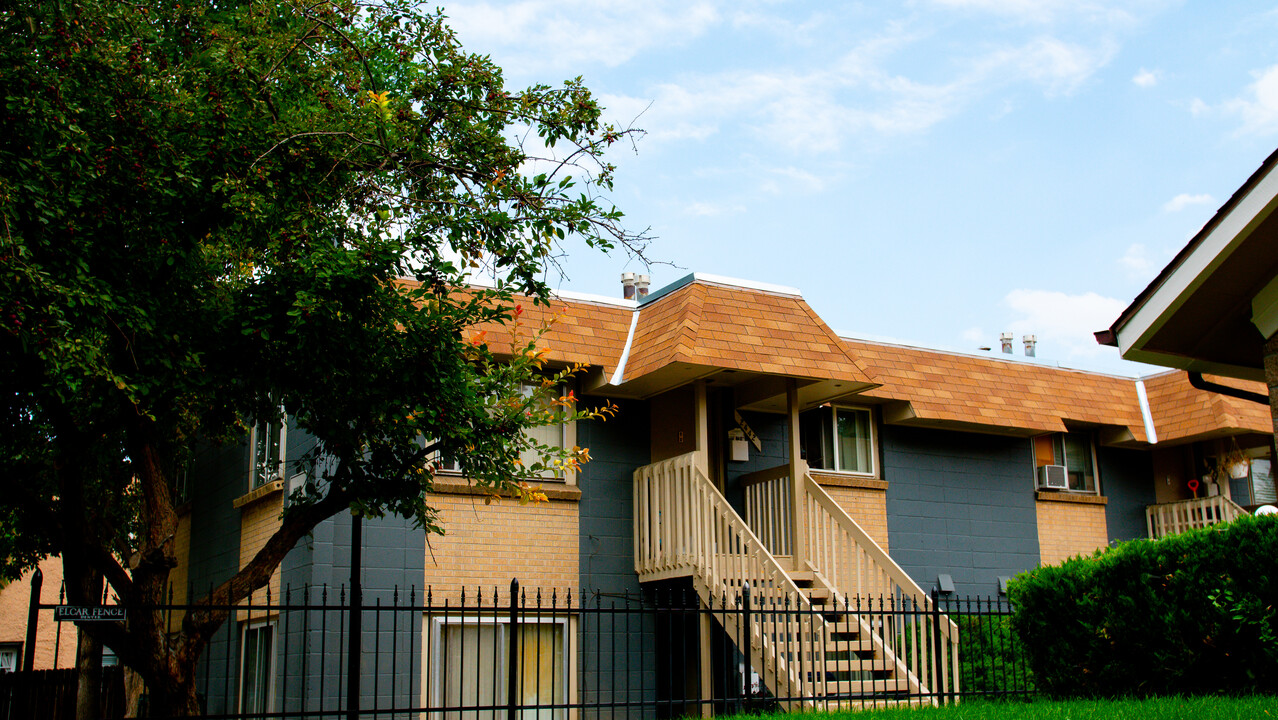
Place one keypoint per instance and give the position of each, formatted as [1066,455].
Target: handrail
[1179,516]
[769,496]
[684,526]
[858,569]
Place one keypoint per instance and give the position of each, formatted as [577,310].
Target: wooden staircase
[848,630]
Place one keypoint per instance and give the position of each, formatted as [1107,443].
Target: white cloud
[817,110]
[538,36]
[1112,13]
[1258,107]
[797,179]
[1063,323]
[1137,260]
[1184,200]
[1145,78]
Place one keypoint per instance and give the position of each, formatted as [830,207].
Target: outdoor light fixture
[945,584]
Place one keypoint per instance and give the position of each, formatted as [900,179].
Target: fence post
[33,617]
[512,666]
[746,686]
[355,644]
[938,657]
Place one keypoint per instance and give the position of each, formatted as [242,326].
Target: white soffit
[1181,283]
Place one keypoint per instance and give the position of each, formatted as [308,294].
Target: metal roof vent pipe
[1030,342]
[1006,340]
[641,286]
[628,285]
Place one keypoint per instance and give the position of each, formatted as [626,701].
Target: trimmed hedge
[1189,614]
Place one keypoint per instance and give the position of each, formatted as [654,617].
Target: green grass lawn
[1206,708]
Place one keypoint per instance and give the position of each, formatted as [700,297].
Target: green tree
[209,212]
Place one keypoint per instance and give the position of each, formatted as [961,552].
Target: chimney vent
[1030,342]
[628,285]
[641,286]
[1006,340]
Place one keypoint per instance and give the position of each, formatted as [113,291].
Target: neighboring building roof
[1203,311]
[1183,413]
[989,394]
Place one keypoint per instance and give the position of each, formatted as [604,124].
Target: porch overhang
[1213,306]
[748,336]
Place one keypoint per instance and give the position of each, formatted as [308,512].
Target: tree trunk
[88,665]
[174,696]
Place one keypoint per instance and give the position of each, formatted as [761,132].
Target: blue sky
[934,171]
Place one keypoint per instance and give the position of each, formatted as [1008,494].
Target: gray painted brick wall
[959,503]
[618,446]
[1127,481]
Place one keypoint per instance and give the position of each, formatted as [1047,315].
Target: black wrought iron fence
[555,655]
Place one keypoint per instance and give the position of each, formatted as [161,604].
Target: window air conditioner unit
[1053,477]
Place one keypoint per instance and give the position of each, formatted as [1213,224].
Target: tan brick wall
[867,507]
[487,545]
[1066,529]
[15,598]
[258,521]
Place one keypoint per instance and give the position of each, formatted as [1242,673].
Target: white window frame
[268,681]
[256,478]
[10,657]
[833,409]
[1091,444]
[433,682]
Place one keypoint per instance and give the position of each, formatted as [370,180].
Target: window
[559,435]
[10,656]
[469,667]
[256,652]
[1072,450]
[1251,481]
[840,439]
[266,450]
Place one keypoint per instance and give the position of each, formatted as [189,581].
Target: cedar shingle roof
[719,326]
[1182,412]
[577,331]
[738,328]
[1007,396]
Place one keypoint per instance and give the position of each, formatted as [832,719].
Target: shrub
[1189,614]
[992,659]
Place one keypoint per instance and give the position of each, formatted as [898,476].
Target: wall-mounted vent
[1053,477]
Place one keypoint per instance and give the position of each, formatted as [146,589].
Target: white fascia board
[1219,244]
[748,284]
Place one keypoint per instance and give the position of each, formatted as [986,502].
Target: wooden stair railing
[685,528]
[1176,517]
[821,648]
[859,571]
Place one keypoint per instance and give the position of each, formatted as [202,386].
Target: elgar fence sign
[89,613]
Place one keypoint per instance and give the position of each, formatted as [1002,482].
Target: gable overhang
[1213,305]
[754,338]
